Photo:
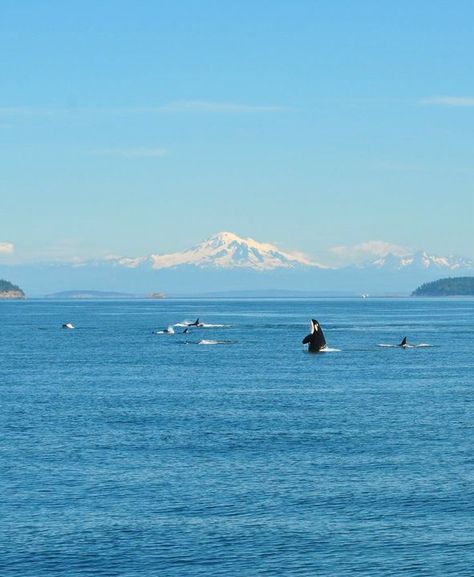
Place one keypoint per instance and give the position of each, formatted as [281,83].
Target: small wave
[408,346]
[325,350]
[211,342]
[168,331]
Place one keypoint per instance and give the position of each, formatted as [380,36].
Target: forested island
[9,290]
[447,287]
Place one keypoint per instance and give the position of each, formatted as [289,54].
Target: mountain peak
[228,250]
[225,236]
[421,260]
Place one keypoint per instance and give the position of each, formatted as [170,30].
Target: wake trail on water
[212,342]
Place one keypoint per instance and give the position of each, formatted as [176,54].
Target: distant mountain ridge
[227,263]
[227,250]
[421,259]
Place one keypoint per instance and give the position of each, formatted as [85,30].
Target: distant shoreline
[12,295]
[248,298]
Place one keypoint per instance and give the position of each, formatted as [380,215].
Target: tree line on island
[9,290]
[447,287]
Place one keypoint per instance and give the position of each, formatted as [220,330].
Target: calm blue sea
[132,454]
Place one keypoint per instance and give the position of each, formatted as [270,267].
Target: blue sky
[136,127]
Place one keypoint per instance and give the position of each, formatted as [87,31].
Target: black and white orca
[196,323]
[68,326]
[404,343]
[315,340]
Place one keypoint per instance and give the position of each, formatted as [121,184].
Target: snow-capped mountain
[227,250]
[226,262]
[422,260]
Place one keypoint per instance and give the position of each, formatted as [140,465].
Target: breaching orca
[68,326]
[315,340]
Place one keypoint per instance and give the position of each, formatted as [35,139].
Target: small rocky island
[447,287]
[10,291]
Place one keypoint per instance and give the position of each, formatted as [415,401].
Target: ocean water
[133,454]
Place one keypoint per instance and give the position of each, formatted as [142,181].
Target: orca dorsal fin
[404,342]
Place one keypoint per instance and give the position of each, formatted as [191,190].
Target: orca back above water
[67,326]
[194,324]
[404,344]
[315,340]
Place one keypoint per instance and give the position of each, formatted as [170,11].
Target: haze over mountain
[421,259]
[225,250]
[227,262]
